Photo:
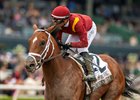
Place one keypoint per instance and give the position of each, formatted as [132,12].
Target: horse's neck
[54,68]
[62,75]
[59,68]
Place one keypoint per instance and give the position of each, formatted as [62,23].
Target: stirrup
[89,78]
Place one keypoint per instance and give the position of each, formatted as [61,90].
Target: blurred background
[118,34]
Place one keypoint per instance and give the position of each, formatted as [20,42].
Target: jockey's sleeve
[82,33]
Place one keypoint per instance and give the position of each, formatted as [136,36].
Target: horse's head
[41,47]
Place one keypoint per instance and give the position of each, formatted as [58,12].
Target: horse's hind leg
[111,97]
[96,95]
[114,92]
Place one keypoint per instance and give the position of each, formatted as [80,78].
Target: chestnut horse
[62,76]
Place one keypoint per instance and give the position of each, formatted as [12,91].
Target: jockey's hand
[60,43]
[66,46]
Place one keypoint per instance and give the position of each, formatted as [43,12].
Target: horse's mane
[53,33]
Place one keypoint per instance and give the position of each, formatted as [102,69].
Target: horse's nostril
[32,65]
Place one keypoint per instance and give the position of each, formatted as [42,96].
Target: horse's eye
[42,43]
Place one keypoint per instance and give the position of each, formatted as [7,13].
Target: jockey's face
[60,22]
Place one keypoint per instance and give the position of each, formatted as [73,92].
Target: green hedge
[10,98]
[123,31]
[98,20]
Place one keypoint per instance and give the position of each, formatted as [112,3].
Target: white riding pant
[91,35]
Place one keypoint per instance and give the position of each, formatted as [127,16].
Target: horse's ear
[35,27]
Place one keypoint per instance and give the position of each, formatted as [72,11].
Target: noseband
[42,56]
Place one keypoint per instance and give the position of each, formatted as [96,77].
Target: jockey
[82,31]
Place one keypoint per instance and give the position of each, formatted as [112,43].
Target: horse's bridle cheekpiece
[42,56]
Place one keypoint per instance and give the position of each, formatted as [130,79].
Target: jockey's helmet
[60,12]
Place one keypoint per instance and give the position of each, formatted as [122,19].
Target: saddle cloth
[101,71]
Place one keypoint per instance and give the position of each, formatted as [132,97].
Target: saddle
[101,72]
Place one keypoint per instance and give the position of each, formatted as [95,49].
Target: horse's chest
[60,92]
[59,95]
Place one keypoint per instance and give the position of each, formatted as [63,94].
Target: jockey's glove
[59,42]
[67,46]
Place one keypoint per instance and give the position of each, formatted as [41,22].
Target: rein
[46,60]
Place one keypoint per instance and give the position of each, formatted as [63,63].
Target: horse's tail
[129,90]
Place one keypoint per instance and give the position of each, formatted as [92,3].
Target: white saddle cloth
[101,71]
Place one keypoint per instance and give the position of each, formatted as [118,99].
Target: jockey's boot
[88,62]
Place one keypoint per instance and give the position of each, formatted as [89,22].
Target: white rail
[21,87]
[18,88]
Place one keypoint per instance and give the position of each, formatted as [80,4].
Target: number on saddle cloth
[96,62]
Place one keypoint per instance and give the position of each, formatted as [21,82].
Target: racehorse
[63,78]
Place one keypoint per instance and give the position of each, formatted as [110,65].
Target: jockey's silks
[78,25]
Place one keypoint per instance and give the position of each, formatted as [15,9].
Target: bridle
[42,56]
